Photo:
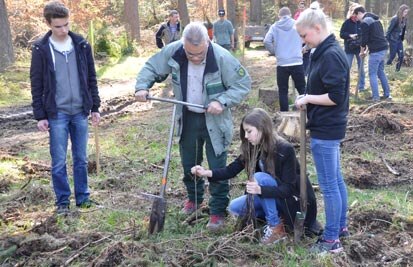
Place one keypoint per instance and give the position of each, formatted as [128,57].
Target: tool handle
[176,102]
[303,163]
[97,147]
[168,154]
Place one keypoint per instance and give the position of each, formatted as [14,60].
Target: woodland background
[121,27]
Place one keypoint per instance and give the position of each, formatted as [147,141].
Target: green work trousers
[194,137]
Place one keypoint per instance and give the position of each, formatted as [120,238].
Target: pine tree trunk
[6,45]
[183,13]
[256,12]
[131,8]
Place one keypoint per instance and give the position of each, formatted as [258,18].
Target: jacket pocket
[215,88]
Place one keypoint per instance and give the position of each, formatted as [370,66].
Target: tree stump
[268,97]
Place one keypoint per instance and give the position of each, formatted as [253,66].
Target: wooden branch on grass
[390,168]
[77,254]
[193,216]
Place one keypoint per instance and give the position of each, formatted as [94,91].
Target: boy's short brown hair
[55,10]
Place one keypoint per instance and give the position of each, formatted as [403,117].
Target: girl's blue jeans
[264,207]
[326,155]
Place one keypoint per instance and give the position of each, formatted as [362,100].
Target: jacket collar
[329,41]
[211,65]
[178,25]
[77,39]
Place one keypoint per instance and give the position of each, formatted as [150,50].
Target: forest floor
[377,162]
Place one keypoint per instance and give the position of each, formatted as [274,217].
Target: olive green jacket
[225,80]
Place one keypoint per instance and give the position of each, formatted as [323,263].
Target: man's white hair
[195,33]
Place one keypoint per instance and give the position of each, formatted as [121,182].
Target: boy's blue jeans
[63,126]
[376,72]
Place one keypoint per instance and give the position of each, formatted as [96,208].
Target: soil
[376,154]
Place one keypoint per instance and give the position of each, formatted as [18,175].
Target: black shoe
[314,230]
[344,233]
[398,66]
[62,209]
[87,204]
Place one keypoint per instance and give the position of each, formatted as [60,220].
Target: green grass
[126,67]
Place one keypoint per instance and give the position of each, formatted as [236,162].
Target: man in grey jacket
[283,40]
[202,73]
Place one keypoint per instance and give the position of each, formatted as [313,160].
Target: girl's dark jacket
[396,30]
[350,27]
[328,74]
[287,171]
[43,79]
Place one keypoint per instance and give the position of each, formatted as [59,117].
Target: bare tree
[256,12]
[220,4]
[6,45]
[232,16]
[131,8]
[183,12]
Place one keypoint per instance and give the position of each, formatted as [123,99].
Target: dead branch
[28,182]
[390,168]
[190,219]
[157,166]
[78,252]
[373,106]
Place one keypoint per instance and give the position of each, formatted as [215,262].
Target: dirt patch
[377,240]
[5,185]
[111,256]
[371,131]
[48,226]
[43,243]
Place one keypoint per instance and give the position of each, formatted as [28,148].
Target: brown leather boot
[273,235]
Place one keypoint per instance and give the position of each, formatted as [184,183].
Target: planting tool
[174,101]
[300,215]
[157,219]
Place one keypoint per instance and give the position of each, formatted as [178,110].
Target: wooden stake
[97,148]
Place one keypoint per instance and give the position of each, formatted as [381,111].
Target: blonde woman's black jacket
[328,74]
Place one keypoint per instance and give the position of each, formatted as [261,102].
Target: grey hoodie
[283,40]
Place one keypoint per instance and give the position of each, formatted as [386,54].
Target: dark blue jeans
[396,47]
[264,207]
[75,126]
[283,76]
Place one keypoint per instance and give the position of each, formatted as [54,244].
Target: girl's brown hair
[399,14]
[259,119]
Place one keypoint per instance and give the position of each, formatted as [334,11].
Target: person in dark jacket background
[276,186]
[169,31]
[395,35]
[351,33]
[372,37]
[64,92]
[327,103]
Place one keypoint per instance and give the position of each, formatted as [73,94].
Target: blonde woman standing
[327,101]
